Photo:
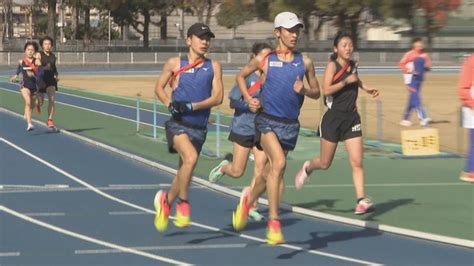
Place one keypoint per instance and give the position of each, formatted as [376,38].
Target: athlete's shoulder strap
[184,69]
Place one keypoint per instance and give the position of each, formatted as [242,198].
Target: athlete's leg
[28,98]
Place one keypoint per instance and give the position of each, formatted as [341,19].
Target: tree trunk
[51,31]
[200,14]
[317,29]
[411,19]
[75,22]
[9,19]
[146,28]
[87,24]
[234,32]
[209,11]
[125,32]
[354,27]
[30,23]
[428,28]
[164,26]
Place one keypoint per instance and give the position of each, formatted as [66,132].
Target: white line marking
[46,186]
[116,104]
[131,186]
[95,111]
[45,214]
[129,213]
[124,105]
[155,248]
[382,185]
[211,228]
[89,239]
[65,188]
[297,210]
[112,103]
[9,254]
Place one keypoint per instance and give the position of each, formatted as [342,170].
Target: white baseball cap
[287,20]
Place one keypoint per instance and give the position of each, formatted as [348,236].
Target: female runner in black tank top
[341,122]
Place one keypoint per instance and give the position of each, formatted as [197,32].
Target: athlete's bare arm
[314,90]
[217,93]
[168,69]
[259,62]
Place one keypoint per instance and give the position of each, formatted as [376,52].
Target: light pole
[61,29]
[109,28]
[178,36]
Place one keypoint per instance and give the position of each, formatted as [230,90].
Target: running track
[67,202]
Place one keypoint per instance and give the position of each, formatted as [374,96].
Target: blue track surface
[71,206]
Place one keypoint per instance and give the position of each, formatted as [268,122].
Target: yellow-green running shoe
[239,217]
[183,215]
[162,211]
[274,234]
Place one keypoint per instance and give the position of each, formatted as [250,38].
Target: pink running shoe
[363,206]
[301,176]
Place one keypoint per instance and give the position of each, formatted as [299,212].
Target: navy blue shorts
[197,135]
[286,130]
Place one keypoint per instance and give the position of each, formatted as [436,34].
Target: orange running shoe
[50,123]
[183,215]
[274,234]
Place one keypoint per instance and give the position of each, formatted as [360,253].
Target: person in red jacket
[406,64]
[466,94]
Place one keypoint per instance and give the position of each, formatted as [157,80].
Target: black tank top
[49,66]
[344,99]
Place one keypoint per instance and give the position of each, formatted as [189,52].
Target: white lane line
[129,213]
[384,185]
[211,228]
[44,214]
[112,103]
[80,189]
[95,111]
[297,210]
[10,254]
[116,104]
[156,248]
[89,239]
[124,105]
[139,186]
[46,186]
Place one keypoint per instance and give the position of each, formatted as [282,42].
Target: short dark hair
[259,46]
[46,38]
[32,43]
[416,39]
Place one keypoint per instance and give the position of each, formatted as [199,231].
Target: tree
[202,8]
[305,9]
[233,13]
[131,13]
[436,14]
[347,13]
[51,31]
[8,19]
[398,9]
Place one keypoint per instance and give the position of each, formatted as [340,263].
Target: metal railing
[137,58]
